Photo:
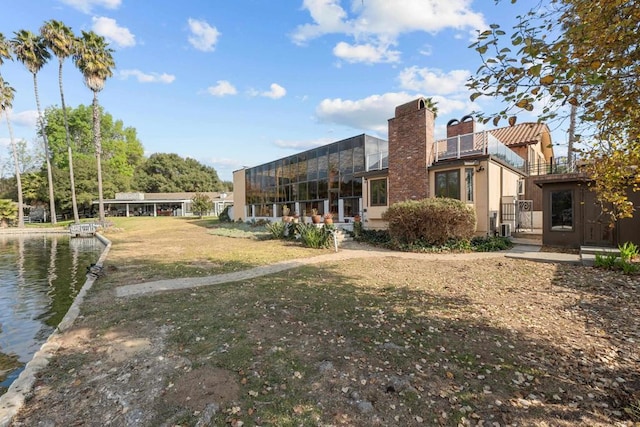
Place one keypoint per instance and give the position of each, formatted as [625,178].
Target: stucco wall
[239,195]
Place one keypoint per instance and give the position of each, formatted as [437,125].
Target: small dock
[83,230]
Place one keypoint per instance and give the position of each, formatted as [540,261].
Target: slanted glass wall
[311,177]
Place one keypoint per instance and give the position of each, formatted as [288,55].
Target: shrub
[224,215]
[490,243]
[277,229]
[605,261]
[434,221]
[315,237]
[8,212]
[628,251]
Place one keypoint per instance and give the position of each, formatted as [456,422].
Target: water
[39,278]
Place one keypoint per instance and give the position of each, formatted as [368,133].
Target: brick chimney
[410,151]
[464,126]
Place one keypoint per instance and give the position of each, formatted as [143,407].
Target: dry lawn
[388,341]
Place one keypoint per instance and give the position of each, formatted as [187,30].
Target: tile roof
[520,134]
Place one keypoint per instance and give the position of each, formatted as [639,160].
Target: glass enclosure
[312,177]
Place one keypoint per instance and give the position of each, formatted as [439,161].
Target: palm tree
[32,52]
[94,59]
[61,40]
[6,102]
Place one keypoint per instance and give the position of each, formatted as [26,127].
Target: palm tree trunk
[17,168]
[74,202]
[47,154]
[98,146]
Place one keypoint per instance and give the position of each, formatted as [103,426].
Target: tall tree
[61,40]
[574,53]
[6,102]
[95,61]
[122,152]
[31,50]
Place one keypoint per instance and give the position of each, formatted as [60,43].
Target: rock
[364,406]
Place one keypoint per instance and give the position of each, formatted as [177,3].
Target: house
[573,217]
[364,175]
[161,204]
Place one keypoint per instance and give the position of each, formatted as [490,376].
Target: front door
[597,225]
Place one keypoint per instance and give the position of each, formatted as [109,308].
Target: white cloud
[109,29]
[434,81]
[87,5]
[276,92]
[367,53]
[222,88]
[376,24]
[148,77]
[370,113]
[27,119]
[203,36]
[303,145]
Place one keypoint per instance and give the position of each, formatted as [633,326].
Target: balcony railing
[474,144]
[377,161]
[559,165]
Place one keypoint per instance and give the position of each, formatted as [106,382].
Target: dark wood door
[597,225]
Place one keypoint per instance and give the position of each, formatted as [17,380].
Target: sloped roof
[184,196]
[521,134]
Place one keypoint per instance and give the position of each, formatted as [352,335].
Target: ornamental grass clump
[434,221]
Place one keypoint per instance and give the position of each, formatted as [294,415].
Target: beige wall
[239,195]
[373,214]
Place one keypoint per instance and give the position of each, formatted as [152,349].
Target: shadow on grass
[317,345]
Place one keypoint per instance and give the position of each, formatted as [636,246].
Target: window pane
[448,184]
[378,191]
[469,182]
[562,210]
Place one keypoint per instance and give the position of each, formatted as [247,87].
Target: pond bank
[14,398]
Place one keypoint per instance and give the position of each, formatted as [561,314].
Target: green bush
[315,237]
[277,229]
[628,251]
[224,215]
[433,221]
[490,244]
[8,212]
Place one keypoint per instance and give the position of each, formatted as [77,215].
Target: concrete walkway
[523,249]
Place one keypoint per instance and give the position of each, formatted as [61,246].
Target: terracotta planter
[356,218]
[316,219]
[287,218]
[328,221]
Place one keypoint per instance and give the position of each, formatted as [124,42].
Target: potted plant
[315,218]
[296,217]
[357,218]
[328,218]
[285,214]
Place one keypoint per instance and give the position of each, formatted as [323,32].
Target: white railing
[377,161]
[474,144]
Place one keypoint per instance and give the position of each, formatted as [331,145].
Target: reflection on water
[39,277]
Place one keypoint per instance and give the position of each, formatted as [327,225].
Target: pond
[40,275]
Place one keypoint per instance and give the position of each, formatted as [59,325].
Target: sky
[243,82]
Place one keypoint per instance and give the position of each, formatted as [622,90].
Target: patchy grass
[390,341]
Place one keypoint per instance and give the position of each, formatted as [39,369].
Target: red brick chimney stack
[410,151]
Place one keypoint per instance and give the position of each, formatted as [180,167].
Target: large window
[448,184]
[562,210]
[378,192]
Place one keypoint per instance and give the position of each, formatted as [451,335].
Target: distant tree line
[124,167]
